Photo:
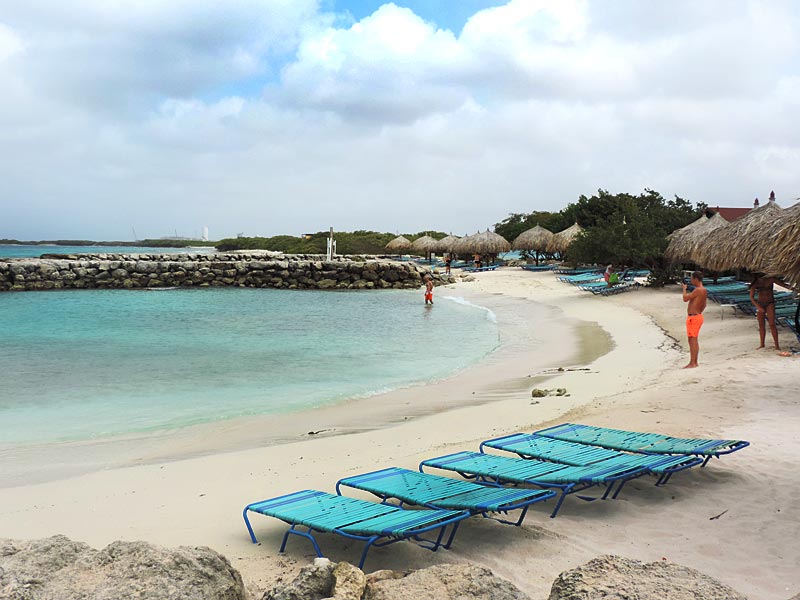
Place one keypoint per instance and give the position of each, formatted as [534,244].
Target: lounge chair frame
[541,474]
[642,442]
[356,515]
[403,485]
[533,446]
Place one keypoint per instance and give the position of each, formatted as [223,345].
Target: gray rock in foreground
[325,580]
[57,568]
[618,578]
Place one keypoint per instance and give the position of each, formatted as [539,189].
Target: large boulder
[443,582]
[57,568]
[618,578]
[314,582]
[328,581]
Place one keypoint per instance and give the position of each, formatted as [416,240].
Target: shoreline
[503,372]
[637,385]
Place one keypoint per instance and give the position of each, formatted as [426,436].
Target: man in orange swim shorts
[697,300]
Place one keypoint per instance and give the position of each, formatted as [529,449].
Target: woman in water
[763,298]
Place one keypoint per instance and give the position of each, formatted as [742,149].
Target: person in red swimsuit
[428,289]
[697,300]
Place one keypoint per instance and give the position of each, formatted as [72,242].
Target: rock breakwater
[132,271]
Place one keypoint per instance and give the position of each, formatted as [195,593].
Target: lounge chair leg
[619,489]
[705,462]
[452,535]
[564,492]
[249,527]
[306,534]
[366,549]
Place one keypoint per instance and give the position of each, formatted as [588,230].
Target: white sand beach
[736,519]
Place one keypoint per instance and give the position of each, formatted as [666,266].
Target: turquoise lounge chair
[433,491]
[376,524]
[527,445]
[646,443]
[569,480]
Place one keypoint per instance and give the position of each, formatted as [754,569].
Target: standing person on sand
[447,262]
[697,300]
[762,297]
[428,289]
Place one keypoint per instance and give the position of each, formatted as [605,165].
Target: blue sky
[446,14]
[285,116]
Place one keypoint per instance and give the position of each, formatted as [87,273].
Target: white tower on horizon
[205,234]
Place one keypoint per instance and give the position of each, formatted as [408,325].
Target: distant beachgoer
[477,259]
[428,289]
[607,275]
[447,262]
[697,300]
[763,298]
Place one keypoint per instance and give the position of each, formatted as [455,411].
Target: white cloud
[264,116]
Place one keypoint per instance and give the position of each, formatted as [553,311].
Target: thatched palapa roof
[398,244]
[489,242]
[738,245]
[535,238]
[424,244]
[563,239]
[683,242]
[446,243]
[784,249]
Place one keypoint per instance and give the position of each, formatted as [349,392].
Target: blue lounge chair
[646,443]
[537,268]
[376,524]
[433,491]
[527,445]
[569,480]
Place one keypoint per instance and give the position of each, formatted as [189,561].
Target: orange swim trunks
[693,325]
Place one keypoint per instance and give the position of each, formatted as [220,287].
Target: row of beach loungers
[592,280]
[535,467]
[728,291]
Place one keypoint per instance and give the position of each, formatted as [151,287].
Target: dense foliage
[627,230]
[621,229]
[355,242]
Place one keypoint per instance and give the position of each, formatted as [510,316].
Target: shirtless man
[697,299]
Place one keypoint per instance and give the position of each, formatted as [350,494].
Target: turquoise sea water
[35,251]
[95,363]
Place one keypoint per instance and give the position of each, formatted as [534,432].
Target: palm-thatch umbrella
[424,245]
[490,243]
[729,247]
[446,243]
[683,242]
[784,248]
[535,239]
[398,244]
[463,245]
[563,239]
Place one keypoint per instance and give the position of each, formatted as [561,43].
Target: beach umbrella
[398,244]
[784,248]
[562,240]
[490,242]
[684,242]
[463,245]
[446,243]
[535,238]
[424,245]
[730,247]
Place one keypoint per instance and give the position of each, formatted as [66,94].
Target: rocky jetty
[57,568]
[615,577]
[325,580]
[131,271]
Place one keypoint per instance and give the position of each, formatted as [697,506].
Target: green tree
[624,229]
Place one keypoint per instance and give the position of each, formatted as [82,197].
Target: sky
[266,117]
